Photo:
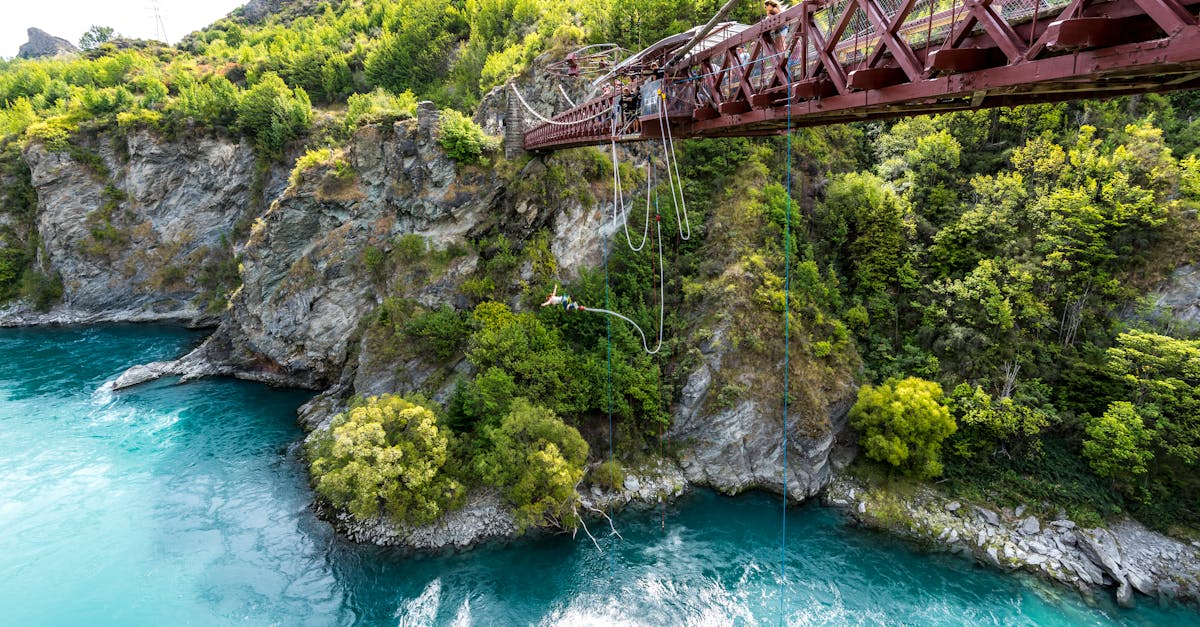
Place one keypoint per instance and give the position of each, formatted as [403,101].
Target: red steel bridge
[832,61]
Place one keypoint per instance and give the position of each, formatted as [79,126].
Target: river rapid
[187,504]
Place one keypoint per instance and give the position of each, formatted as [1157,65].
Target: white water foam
[422,610]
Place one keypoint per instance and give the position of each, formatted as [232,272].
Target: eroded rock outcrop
[43,44]
[138,227]
[1125,556]
[1179,297]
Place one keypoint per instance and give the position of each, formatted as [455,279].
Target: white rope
[619,205]
[564,95]
[548,120]
[664,127]
[662,303]
[619,210]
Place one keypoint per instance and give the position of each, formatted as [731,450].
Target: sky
[69,19]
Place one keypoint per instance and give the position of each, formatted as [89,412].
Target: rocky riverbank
[1125,556]
[485,517]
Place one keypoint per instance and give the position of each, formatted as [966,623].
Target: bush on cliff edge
[386,456]
[903,424]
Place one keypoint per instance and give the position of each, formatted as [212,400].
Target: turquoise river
[187,505]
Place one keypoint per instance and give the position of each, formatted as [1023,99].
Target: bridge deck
[843,60]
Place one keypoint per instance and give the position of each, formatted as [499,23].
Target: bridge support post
[514,126]
[428,119]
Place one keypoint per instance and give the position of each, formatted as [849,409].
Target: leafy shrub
[41,289]
[416,45]
[212,101]
[536,461]
[441,332]
[328,158]
[379,106]
[534,355]
[273,115]
[609,474]
[410,247]
[17,117]
[13,260]
[138,118]
[463,139]
[375,262]
[1117,443]
[55,134]
[903,424]
[390,456]
[994,425]
[483,400]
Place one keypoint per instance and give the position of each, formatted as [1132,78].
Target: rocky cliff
[1124,556]
[43,44]
[141,228]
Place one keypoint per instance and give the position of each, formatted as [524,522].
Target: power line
[160,27]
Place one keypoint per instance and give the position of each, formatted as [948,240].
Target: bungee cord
[673,163]
[619,207]
[548,120]
[565,96]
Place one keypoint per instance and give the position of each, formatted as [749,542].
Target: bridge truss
[832,61]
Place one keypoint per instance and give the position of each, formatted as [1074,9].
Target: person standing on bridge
[779,36]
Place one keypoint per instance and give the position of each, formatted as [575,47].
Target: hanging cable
[612,555]
[565,96]
[619,205]
[661,299]
[548,120]
[787,300]
[679,203]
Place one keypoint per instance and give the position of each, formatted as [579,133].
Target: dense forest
[984,275]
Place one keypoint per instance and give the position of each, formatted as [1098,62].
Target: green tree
[1117,443]
[485,399]
[387,456]
[533,354]
[379,106]
[95,36]
[211,101]
[536,461]
[416,46]
[903,423]
[1001,426]
[273,114]
[463,139]
[1163,374]
[867,219]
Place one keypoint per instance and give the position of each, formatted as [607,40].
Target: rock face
[481,518]
[131,224]
[1125,556]
[741,447]
[43,44]
[1180,297]
[305,286]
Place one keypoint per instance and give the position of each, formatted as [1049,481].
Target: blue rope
[612,554]
[787,283]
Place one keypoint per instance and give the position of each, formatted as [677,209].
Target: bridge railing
[845,59]
[588,123]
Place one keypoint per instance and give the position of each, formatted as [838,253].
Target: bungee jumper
[565,300]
